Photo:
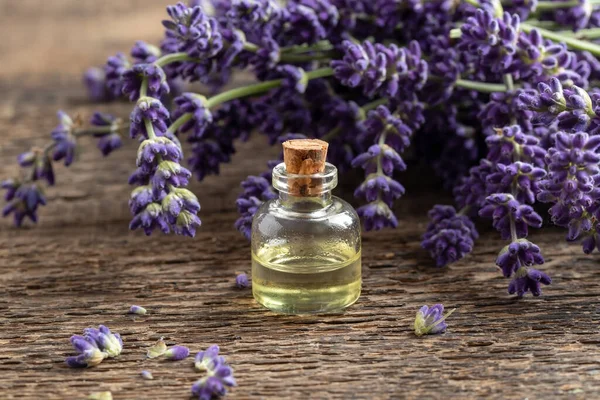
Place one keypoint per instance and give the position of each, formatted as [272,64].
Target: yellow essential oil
[306,279]
[306,242]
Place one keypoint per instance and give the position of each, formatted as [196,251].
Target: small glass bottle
[306,244]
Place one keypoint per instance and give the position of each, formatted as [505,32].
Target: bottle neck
[303,203]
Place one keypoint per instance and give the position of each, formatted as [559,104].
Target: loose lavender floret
[219,375]
[241,281]
[90,354]
[139,310]
[431,320]
[177,353]
[108,342]
[146,375]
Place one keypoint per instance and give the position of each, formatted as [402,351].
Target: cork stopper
[304,157]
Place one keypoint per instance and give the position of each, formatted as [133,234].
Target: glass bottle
[306,248]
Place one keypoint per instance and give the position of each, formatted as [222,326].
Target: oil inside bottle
[306,278]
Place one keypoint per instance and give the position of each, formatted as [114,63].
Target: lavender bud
[147,375]
[431,321]
[176,353]
[204,360]
[137,310]
[241,281]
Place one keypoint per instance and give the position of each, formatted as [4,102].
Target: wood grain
[81,267]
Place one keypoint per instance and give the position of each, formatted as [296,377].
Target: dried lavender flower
[147,375]
[110,343]
[219,375]
[90,355]
[139,310]
[430,321]
[176,353]
[241,281]
[204,360]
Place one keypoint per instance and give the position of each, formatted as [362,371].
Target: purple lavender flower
[431,320]
[517,254]
[195,105]
[502,109]
[11,186]
[528,280]
[205,360]
[94,80]
[24,202]
[377,215]
[150,218]
[64,140]
[522,178]
[144,52]
[389,159]
[573,109]
[592,240]
[511,142]
[151,150]
[572,184]
[257,189]
[311,20]
[382,121]
[191,31]
[139,310]
[108,141]
[219,375]
[576,17]
[154,76]
[177,353]
[381,70]
[110,343]
[152,110]
[523,8]
[541,60]
[41,163]
[449,236]
[493,40]
[507,212]
[114,69]
[241,281]
[379,186]
[89,353]
[294,78]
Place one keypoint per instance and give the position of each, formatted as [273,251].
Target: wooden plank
[81,267]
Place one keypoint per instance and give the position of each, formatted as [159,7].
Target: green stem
[584,34]
[374,104]
[149,129]
[551,5]
[299,58]
[482,87]
[174,57]
[260,87]
[179,121]
[323,45]
[571,42]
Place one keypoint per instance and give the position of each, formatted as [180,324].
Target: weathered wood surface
[82,267]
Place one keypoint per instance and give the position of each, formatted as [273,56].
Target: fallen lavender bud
[147,375]
[176,353]
[139,310]
[241,281]
[219,375]
[430,321]
[110,343]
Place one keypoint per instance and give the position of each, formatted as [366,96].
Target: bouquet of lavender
[496,96]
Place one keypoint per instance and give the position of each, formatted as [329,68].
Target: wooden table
[82,267]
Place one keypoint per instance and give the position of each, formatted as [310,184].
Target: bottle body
[306,255]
